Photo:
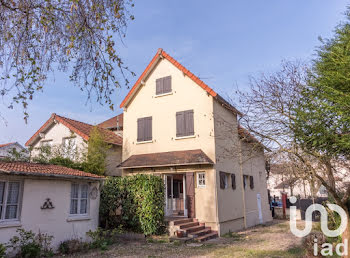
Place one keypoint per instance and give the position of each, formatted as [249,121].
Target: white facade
[57,221]
[6,150]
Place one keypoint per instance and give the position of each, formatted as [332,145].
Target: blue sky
[221,43]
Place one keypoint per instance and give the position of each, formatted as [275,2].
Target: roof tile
[43,169]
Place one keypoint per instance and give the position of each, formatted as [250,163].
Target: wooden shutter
[189,123]
[233,181]
[222,180]
[167,84]
[251,179]
[190,195]
[148,128]
[180,124]
[140,130]
[159,86]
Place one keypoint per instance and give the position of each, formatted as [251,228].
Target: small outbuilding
[56,200]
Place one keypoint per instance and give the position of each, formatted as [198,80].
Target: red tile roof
[113,123]
[6,144]
[162,54]
[79,128]
[35,169]
[171,158]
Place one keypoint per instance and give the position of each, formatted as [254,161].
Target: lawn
[263,241]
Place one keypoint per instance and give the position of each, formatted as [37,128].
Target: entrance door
[190,205]
[169,194]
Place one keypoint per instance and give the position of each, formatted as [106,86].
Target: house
[177,127]
[71,137]
[115,124]
[59,201]
[9,149]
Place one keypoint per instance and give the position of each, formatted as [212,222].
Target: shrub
[72,246]
[2,250]
[102,238]
[142,200]
[28,244]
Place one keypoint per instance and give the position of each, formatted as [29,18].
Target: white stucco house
[59,201]
[7,148]
[72,136]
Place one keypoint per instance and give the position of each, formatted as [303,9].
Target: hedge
[140,201]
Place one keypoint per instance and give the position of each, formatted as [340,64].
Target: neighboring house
[59,201]
[7,149]
[177,127]
[283,180]
[115,124]
[72,136]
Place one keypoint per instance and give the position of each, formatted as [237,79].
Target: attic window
[163,85]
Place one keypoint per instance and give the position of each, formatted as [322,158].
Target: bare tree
[40,36]
[269,109]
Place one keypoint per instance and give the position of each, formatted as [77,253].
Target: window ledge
[78,218]
[144,142]
[164,94]
[10,224]
[185,137]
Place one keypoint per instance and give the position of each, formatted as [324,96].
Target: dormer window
[163,85]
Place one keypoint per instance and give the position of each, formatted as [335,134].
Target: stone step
[181,221]
[212,234]
[187,225]
[199,233]
[194,229]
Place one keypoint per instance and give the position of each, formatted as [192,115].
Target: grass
[263,241]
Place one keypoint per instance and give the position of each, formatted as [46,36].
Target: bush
[142,200]
[102,238]
[72,246]
[29,244]
[2,250]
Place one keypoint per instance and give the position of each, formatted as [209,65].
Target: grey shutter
[140,129]
[167,84]
[148,128]
[180,125]
[233,181]
[189,123]
[222,180]
[251,182]
[159,86]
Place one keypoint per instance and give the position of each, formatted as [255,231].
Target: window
[47,143]
[184,123]
[79,199]
[245,179]
[223,180]
[69,147]
[251,181]
[163,85]
[233,181]
[144,129]
[201,179]
[9,200]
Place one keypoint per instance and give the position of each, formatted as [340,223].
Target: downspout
[243,190]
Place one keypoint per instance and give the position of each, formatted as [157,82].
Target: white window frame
[46,143]
[74,149]
[200,180]
[78,214]
[3,220]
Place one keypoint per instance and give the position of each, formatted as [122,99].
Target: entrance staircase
[190,229]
